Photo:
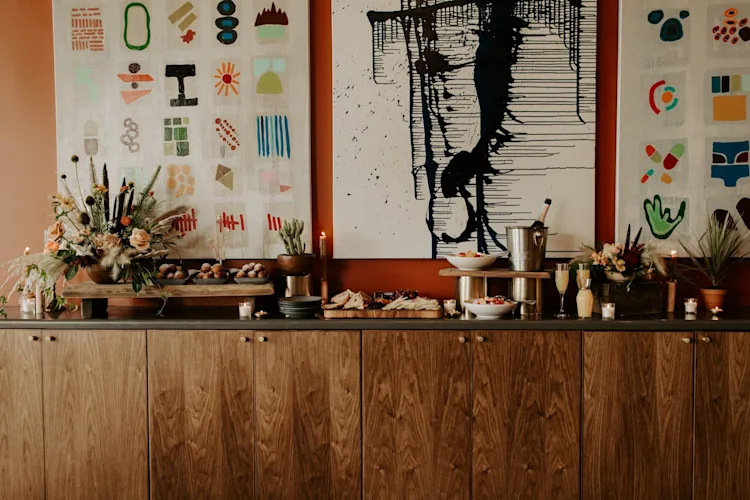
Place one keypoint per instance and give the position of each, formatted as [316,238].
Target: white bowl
[490,311]
[471,263]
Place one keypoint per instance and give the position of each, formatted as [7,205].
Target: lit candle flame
[27,251]
[674,254]
[323,234]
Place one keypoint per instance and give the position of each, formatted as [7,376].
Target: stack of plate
[300,307]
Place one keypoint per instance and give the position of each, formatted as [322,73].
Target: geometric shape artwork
[730,161]
[176,141]
[273,136]
[227,79]
[87,29]
[130,137]
[131,42]
[184,17]
[445,131]
[662,97]
[668,161]
[134,79]
[227,134]
[269,81]
[180,181]
[732,29]
[670,29]
[225,176]
[114,57]
[90,138]
[226,23]
[181,72]
[659,217]
[729,101]
[271,24]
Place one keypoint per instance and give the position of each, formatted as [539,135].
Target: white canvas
[668,98]
[248,163]
[382,188]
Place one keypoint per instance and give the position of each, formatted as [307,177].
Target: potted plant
[715,254]
[295,262]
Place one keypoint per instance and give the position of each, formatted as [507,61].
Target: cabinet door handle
[706,340]
[244,339]
[687,340]
[263,339]
[33,338]
[50,339]
[481,339]
[462,340]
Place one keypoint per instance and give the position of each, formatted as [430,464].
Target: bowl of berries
[471,261]
[490,307]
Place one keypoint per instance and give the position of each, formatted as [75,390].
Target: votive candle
[691,306]
[449,306]
[246,310]
[608,311]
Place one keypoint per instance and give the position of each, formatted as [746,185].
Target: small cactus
[291,235]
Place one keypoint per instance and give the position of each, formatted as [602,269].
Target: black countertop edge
[226,318]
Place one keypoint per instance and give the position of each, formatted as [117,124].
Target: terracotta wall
[28,138]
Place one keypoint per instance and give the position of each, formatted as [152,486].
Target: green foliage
[718,250]
[291,235]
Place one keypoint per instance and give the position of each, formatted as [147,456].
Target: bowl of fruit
[211,275]
[171,274]
[251,273]
[471,261]
[490,307]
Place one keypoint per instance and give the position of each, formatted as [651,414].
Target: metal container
[468,288]
[527,247]
[527,289]
[298,286]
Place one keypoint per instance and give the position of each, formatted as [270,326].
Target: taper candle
[324,256]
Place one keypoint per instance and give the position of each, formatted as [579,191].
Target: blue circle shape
[226,7]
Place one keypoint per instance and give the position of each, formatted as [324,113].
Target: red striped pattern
[87,30]
[274,223]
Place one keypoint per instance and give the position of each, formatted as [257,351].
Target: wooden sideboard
[455,414]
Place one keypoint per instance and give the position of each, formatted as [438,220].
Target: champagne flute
[562,277]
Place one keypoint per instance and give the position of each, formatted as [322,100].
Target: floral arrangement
[631,260]
[123,237]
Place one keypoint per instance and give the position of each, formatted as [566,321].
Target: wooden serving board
[380,314]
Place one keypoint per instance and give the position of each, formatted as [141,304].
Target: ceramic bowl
[472,263]
[490,311]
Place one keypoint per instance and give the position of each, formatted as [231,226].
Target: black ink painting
[494,105]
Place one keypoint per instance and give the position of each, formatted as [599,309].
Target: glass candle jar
[246,310]
[691,306]
[608,311]
[449,306]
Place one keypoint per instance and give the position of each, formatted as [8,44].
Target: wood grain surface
[307,387]
[527,415]
[21,423]
[95,421]
[496,273]
[380,314]
[91,290]
[201,414]
[722,416]
[638,415]
[416,410]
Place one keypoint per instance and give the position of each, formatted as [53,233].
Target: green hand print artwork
[660,219]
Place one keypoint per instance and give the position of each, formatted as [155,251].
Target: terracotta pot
[99,275]
[713,297]
[296,265]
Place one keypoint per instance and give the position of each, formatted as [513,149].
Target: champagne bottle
[539,223]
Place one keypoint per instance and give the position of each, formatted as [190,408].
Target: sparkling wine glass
[562,277]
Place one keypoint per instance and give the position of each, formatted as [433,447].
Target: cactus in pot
[295,262]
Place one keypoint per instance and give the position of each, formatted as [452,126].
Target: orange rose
[55,231]
[140,240]
[51,247]
[126,221]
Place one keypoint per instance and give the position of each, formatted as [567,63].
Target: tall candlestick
[324,256]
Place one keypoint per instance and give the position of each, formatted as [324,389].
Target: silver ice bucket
[527,247]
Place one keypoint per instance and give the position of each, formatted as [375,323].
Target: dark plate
[211,281]
[172,282]
[250,281]
[299,300]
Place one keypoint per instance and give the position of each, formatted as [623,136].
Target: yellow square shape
[730,108]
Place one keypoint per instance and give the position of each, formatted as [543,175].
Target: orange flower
[55,231]
[51,247]
[124,189]
[101,188]
[126,221]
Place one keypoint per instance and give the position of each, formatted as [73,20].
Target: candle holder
[246,309]
[608,311]
[691,306]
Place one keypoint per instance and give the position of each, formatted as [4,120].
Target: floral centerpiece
[623,262]
[114,234]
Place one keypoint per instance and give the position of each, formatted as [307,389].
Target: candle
[608,311]
[449,306]
[673,253]
[324,256]
[246,310]
[27,250]
[691,306]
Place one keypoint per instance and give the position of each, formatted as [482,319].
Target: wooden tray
[380,314]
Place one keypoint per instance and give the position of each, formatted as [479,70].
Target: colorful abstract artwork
[454,120]
[659,217]
[730,161]
[216,92]
[662,97]
[670,28]
[668,161]
[729,97]
[732,29]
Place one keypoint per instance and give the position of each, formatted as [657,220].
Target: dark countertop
[226,318]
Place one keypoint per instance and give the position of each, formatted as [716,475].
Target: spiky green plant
[718,249]
[291,235]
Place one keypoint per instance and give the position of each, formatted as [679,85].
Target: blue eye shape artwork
[671,29]
[730,162]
